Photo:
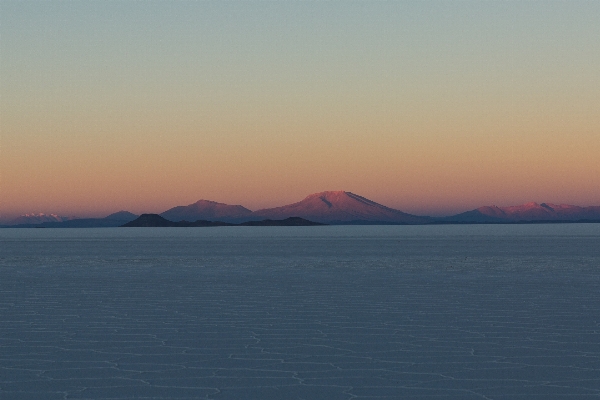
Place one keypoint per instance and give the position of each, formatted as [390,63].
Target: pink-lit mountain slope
[529,212]
[207,210]
[339,207]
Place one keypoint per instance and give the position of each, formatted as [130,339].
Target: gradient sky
[430,107]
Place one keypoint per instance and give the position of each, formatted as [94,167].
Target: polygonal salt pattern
[381,317]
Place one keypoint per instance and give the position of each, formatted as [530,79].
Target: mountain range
[110,221]
[332,207]
[527,213]
[326,207]
[39,219]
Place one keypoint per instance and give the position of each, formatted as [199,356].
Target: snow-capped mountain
[340,207]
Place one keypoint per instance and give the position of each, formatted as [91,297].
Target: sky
[429,107]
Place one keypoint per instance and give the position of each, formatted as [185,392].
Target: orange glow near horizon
[423,175]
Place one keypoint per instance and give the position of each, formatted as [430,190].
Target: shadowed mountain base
[156,221]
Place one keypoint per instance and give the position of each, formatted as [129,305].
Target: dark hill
[150,220]
[156,221]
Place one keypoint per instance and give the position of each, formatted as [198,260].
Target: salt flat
[356,312]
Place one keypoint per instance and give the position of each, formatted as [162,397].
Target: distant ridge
[290,221]
[37,219]
[111,221]
[157,221]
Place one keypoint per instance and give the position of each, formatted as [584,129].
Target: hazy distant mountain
[207,210]
[37,219]
[340,207]
[113,220]
[121,215]
[528,212]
